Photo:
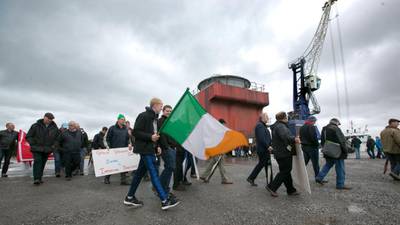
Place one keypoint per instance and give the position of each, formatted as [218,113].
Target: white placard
[114,160]
[299,171]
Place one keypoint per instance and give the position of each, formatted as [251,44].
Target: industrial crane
[305,79]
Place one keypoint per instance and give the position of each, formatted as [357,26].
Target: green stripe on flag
[183,118]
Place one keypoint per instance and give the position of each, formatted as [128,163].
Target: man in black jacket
[146,138]
[263,143]
[332,133]
[168,154]
[371,147]
[98,140]
[283,145]
[8,143]
[310,144]
[118,137]
[70,143]
[41,137]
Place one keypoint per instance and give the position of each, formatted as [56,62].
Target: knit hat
[312,119]
[120,116]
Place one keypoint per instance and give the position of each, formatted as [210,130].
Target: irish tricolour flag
[199,132]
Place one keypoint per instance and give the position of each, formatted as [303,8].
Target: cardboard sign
[114,160]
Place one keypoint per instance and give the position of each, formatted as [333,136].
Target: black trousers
[71,162]
[39,162]
[6,153]
[284,176]
[178,173]
[263,159]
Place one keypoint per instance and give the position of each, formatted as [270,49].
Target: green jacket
[390,138]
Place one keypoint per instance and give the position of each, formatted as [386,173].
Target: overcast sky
[91,60]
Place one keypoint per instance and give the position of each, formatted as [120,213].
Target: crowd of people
[70,144]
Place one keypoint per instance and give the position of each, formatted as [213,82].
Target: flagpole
[195,167]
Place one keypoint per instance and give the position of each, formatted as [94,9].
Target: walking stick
[214,168]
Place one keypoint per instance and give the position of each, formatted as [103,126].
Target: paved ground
[85,200]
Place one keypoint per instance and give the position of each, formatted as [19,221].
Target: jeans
[82,163]
[39,162]
[6,153]
[312,153]
[340,171]
[284,176]
[147,163]
[394,162]
[58,162]
[380,153]
[169,157]
[357,152]
[263,160]
[371,153]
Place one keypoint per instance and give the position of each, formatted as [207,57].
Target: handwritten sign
[114,160]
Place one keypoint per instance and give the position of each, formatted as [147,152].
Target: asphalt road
[375,199]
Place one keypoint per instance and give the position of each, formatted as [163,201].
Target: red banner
[24,153]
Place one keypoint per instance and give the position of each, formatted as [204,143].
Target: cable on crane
[335,71]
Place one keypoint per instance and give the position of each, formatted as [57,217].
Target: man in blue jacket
[263,143]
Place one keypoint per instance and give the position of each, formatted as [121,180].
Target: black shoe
[81,174]
[187,183]
[169,203]
[273,193]
[132,201]
[394,176]
[179,188]
[251,182]
[58,175]
[4,175]
[41,181]
[125,183]
[107,181]
[293,193]
[36,182]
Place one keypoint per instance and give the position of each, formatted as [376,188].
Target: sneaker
[169,203]
[36,182]
[345,188]
[273,193]
[132,201]
[394,176]
[251,182]
[320,182]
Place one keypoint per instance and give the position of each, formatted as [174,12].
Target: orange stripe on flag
[232,139]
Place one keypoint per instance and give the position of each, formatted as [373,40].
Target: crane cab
[313,82]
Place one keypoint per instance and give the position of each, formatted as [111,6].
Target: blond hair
[154,101]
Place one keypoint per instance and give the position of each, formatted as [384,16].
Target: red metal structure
[234,99]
